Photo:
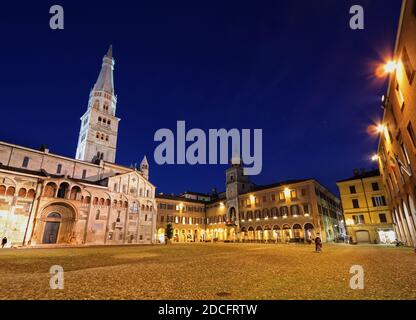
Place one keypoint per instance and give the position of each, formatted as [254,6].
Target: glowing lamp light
[349,222]
[252,198]
[381,128]
[287,192]
[221,205]
[390,67]
[375,157]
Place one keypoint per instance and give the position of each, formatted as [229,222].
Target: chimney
[356,172]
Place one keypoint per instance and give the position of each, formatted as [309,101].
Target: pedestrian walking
[318,244]
[3,242]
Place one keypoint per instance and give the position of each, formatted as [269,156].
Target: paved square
[209,271]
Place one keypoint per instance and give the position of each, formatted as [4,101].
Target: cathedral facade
[49,199]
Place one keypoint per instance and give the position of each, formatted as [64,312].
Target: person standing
[318,244]
[3,242]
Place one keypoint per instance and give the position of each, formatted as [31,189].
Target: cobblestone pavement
[209,271]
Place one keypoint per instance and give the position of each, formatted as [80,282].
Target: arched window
[54,215]
[145,217]
[99,119]
[294,210]
[50,190]
[283,211]
[75,192]
[31,194]
[63,189]
[2,190]
[22,193]
[106,138]
[97,135]
[108,122]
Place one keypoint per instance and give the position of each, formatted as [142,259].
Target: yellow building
[186,215]
[366,212]
[397,145]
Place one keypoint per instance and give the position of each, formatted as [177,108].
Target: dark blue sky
[291,68]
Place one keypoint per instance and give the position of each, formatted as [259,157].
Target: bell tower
[99,125]
[236,183]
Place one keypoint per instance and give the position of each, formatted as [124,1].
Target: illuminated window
[293,194]
[411,133]
[400,96]
[379,201]
[281,195]
[405,154]
[410,72]
[358,219]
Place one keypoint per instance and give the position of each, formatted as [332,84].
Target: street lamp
[375,157]
[390,67]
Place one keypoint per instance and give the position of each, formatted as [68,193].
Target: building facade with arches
[90,204]
[289,211]
[48,199]
[397,145]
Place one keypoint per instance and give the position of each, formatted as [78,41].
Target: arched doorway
[243,234]
[267,234]
[259,233]
[56,225]
[309,232]
[297,232]
[276,233]
[250,233]
[286,233]
[52,223]
[161,235]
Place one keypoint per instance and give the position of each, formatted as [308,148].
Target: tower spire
[105,79]
[110,52]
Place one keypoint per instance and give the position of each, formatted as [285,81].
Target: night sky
[292,68]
